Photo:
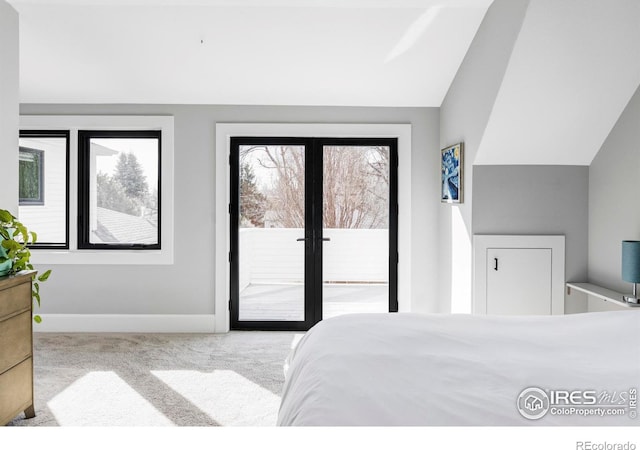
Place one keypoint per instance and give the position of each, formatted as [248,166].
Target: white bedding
[410,369]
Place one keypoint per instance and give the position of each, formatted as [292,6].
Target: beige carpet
[158,379]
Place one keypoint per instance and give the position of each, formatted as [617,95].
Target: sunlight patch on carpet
[104,399]
[224,395]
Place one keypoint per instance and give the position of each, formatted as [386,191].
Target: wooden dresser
[16,347]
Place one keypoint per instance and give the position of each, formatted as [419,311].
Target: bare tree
[355,188]
[280,178]
[286,198]
[355,185]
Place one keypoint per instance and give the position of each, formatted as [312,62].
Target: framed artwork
[452,164]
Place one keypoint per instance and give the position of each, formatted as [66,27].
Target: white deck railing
[272,255]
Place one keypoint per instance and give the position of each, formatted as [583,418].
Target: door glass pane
[356,220]
[272,212]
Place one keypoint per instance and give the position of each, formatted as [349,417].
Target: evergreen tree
[252,201]
[130,176]
[111,195]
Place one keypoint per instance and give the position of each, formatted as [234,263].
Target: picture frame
[452,173]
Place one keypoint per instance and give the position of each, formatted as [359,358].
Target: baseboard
[125,323]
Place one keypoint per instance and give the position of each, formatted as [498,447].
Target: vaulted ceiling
[573,67]
[275,52]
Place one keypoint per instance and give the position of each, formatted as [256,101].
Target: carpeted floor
[158,379]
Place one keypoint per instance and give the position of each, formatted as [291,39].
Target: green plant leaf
[6,216]
[37,319]
[23,232]
[14,239]
[45,276]
[10,244]
[22,261]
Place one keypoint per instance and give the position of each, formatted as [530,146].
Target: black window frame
[84,161]
[66,134]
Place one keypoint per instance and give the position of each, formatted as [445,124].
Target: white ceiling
[271,52]
[573,69]
[574,66]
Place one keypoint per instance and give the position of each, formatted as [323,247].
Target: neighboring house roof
[117,227]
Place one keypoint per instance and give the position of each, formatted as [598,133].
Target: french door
[313,229]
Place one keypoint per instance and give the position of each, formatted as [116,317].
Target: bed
[453,369]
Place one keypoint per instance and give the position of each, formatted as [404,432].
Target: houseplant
[15,255]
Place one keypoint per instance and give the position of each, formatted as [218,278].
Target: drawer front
[15,339]
[14,299]
[16,391]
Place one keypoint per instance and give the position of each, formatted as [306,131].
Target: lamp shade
[631,261]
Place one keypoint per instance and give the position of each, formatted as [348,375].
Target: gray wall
[9,103]
[463,117]
[537,200]
[187,286]
[614,193]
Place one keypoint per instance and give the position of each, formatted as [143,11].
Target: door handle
[301,239]
[325,239]
[495,261]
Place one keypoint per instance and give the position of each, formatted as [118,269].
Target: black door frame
[313,226]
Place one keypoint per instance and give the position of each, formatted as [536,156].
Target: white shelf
[603,293]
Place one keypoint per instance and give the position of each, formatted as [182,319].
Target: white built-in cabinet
[518,275]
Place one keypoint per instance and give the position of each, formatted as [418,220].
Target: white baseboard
[125,323]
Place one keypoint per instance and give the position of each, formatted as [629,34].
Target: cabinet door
[518,281]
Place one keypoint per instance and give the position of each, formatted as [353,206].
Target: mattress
[463,370]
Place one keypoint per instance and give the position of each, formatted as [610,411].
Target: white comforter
[410,369]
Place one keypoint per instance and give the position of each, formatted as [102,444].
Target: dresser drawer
[16,390]
[15,336]
[14,299]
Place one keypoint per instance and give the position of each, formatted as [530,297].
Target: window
[73,226]
[30,165]
[119,189]
[44,185]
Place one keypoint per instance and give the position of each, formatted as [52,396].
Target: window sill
[106,257]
